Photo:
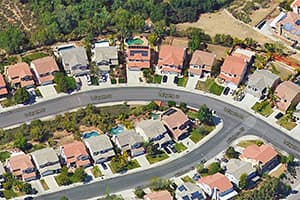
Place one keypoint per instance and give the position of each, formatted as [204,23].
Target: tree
[80,174]
[231,153]
[21,95]
[12,39]
[216,68]
[171,103]
[63,178]
[214,168]
[243,181]
[223,39]
[27,188]
[21,143]
[157,183]
[198,39]
[64,83]
[205,115]
[153,38]
[139,192]
[36,133]
[290,158]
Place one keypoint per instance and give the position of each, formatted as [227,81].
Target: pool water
[117,130]
[154,116]
[90,134]
[136,41]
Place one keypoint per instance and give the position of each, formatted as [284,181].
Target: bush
[21,96]
[139,192]
[113,81]
[231,153]
[214,168]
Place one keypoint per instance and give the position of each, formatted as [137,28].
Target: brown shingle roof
[264,153]
[218,181]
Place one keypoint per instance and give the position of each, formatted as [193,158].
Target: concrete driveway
[48,91]
[50,181]
[133,77]
[191,84]
[142,160]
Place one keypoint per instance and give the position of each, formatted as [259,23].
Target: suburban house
[75,155]
[236,167]
[21,166]
[171,59]
[217,187]
[260,82]
[138,57]
[153,131]
[44,69]
[264,156]
[75,61]
[46,161]
[289,25]
[3,88]
[201,63]
[159,195]
[2,172]
[189,191]
[246,54]
[296,113]
[287,93]
[100,147]
[19,75]
[177,123]
[233,71]
[130,141]
[105,57]
[296,6]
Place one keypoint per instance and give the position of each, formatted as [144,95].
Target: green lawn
[187,179]
[182,81]
[157,158]
[192,114]
[34,56]
[246,143]
[96,171]
[115,167]
[4,155]
[180,147]
[210,86]
[200,132]
[157,78]
[286,122]
[9,194]
[44,184]
[264,108]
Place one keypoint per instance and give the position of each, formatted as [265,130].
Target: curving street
[237,123]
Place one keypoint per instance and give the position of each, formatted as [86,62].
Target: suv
[226,91]
[165,78]
[176,80]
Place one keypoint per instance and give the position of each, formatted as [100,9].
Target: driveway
[37,185]
[48,91]
[133,77]
[191,84]
[143,161]
[50,181]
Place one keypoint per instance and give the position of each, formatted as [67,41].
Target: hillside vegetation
[29,23]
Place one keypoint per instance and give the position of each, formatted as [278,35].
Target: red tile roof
[287,91]
[218,181]
[45,65]
[73,150]
[21,162]
[264,153]
[171,55]
[136,59]
[296,3]
[19,71]
[3,89]
[160,195]
[203,58]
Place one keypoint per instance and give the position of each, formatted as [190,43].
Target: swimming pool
[117,130]
[90,134]
[135,41]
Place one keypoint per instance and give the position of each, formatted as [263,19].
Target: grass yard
[192,114]
[286,122]
[210,86]
[96,171]
[182,81]
[187,179]
[157,79]
[9,194]
[180,147]
[4,155]
[157,158]
[115,167]
[200,132]
[225,25]
[264,108]
[246,143]
[34,56]
[44,184]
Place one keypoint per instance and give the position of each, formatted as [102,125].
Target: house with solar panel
[189,191]
[289,26]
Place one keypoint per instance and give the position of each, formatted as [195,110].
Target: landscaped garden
[287,122]
[200,132]
[121,163]
[264,108]
[182,81]
[96,171]
[246,143]
[67,178]
[210,86]
[180,147]
[156,157]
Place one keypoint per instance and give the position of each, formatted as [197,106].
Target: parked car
[165,79]
[173,149]
[104,78]
[226,91]
[173,186]
[196,177]
[104,166]
[176,80]
[167,150]
[240,96]
[278,116]
[89,80]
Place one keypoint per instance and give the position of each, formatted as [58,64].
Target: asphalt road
[237,123]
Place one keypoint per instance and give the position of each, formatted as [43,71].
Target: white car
[89,80]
